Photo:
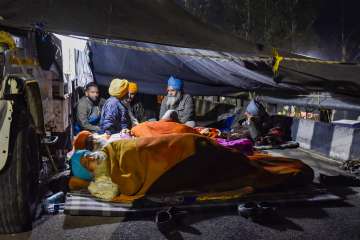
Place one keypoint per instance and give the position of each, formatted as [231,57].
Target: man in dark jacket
[115,117]
[88,110]
[176,100]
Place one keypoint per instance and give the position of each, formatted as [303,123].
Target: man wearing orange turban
[129,103]
[115,116]
[133,88]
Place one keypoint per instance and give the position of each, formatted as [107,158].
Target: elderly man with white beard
[178,101]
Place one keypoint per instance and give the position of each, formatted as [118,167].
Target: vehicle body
[22,127]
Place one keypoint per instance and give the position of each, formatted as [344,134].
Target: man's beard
[128,101]
[172,101]
[95,100]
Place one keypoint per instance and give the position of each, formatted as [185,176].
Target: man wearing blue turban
[178,101]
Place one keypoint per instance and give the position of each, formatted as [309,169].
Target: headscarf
[78,170]
[255,108]
[175,83]
[133,87]
[252,108]
[119,88]
[80,140]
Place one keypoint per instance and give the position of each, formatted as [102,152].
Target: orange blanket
[277,165]
[158,128]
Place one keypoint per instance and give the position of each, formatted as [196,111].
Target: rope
[170,52]
[275,56]
[276,59]
[289,59]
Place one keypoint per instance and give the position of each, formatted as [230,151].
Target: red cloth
[213,132]
[276,132]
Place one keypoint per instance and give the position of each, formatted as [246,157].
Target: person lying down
[128,169]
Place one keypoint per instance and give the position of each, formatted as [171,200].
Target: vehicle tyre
[19,179]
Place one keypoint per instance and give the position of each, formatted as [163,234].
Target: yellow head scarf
[119,87]
[133,87]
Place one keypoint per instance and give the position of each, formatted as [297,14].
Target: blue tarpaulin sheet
[201,76]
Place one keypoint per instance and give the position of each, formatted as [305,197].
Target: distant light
[311,54]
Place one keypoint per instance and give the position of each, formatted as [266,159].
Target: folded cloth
[103,188]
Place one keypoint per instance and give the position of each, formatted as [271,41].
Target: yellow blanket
[135,164]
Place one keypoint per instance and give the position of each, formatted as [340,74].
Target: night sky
[329,26]
[330,15]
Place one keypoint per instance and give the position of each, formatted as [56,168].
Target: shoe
[248,209]
[256,210]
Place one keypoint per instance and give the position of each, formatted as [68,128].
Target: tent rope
[198,55]
[169,52]
[274,60]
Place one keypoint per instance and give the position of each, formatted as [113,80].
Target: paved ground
[327,221]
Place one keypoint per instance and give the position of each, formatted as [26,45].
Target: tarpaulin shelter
[213,75]
[202,76]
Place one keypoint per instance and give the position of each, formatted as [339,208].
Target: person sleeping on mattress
[128,169]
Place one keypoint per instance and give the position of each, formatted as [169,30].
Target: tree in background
[327,29]
[280,23]
[349,38]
